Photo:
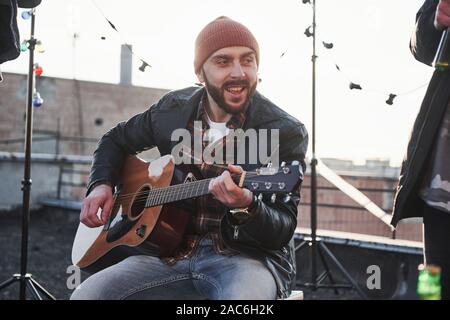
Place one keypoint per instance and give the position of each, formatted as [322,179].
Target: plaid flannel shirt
[205,221]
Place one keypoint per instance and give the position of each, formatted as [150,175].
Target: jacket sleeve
[273,224]
[127,138]
[425,38]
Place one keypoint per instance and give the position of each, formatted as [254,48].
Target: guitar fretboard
[160,196]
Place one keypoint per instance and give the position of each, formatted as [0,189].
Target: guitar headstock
[282,179]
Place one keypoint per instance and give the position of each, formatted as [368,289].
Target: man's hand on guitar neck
[100,197]
[226,191]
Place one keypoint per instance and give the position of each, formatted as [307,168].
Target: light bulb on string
[354,86]
[37,100]
[308,32]
[143,66]
[40,47]
[27,14]
[24,46]
[38,70]
[328,45]
[390,100]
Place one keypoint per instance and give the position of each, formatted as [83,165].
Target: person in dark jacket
[9,33]
[424,185]
[237,246]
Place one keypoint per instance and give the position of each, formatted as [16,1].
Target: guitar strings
[181,186]
[159,197]
[172,190]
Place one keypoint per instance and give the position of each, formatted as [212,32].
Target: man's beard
[218,94]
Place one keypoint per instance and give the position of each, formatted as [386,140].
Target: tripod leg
[7,283]
[342,269]
[327,269]
[33,289]
[42,289]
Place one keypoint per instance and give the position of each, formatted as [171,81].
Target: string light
[40,47]
[24,46]
[390,100]
[37,100]
[38,70]
[27,14]
[144,64]
[352,85]
[328,45]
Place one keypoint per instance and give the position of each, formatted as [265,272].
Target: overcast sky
[371,47]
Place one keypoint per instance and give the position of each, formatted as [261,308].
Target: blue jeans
[206,275]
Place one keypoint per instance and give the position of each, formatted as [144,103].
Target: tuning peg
[260,196]
[273,197]
[295,163]
[287,198]
[283,164]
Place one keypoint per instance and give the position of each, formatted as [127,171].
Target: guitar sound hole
[139,202]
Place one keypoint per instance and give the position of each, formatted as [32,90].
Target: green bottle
[429,283]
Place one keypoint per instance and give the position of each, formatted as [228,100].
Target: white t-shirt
[217,130]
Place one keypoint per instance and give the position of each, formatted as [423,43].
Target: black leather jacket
[424,44]
[268,236]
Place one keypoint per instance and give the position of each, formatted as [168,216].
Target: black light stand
[315,243]
[26,279]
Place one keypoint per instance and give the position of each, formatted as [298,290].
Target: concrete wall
[45,171]
[84,109]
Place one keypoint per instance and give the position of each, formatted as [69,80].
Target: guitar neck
[262,180]
[160,196]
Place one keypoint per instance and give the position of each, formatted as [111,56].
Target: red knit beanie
[221,33]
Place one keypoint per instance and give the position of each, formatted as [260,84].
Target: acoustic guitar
[152,205]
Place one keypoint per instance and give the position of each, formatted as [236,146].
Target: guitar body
[133,229]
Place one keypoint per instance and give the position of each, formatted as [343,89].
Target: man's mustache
[236,83]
